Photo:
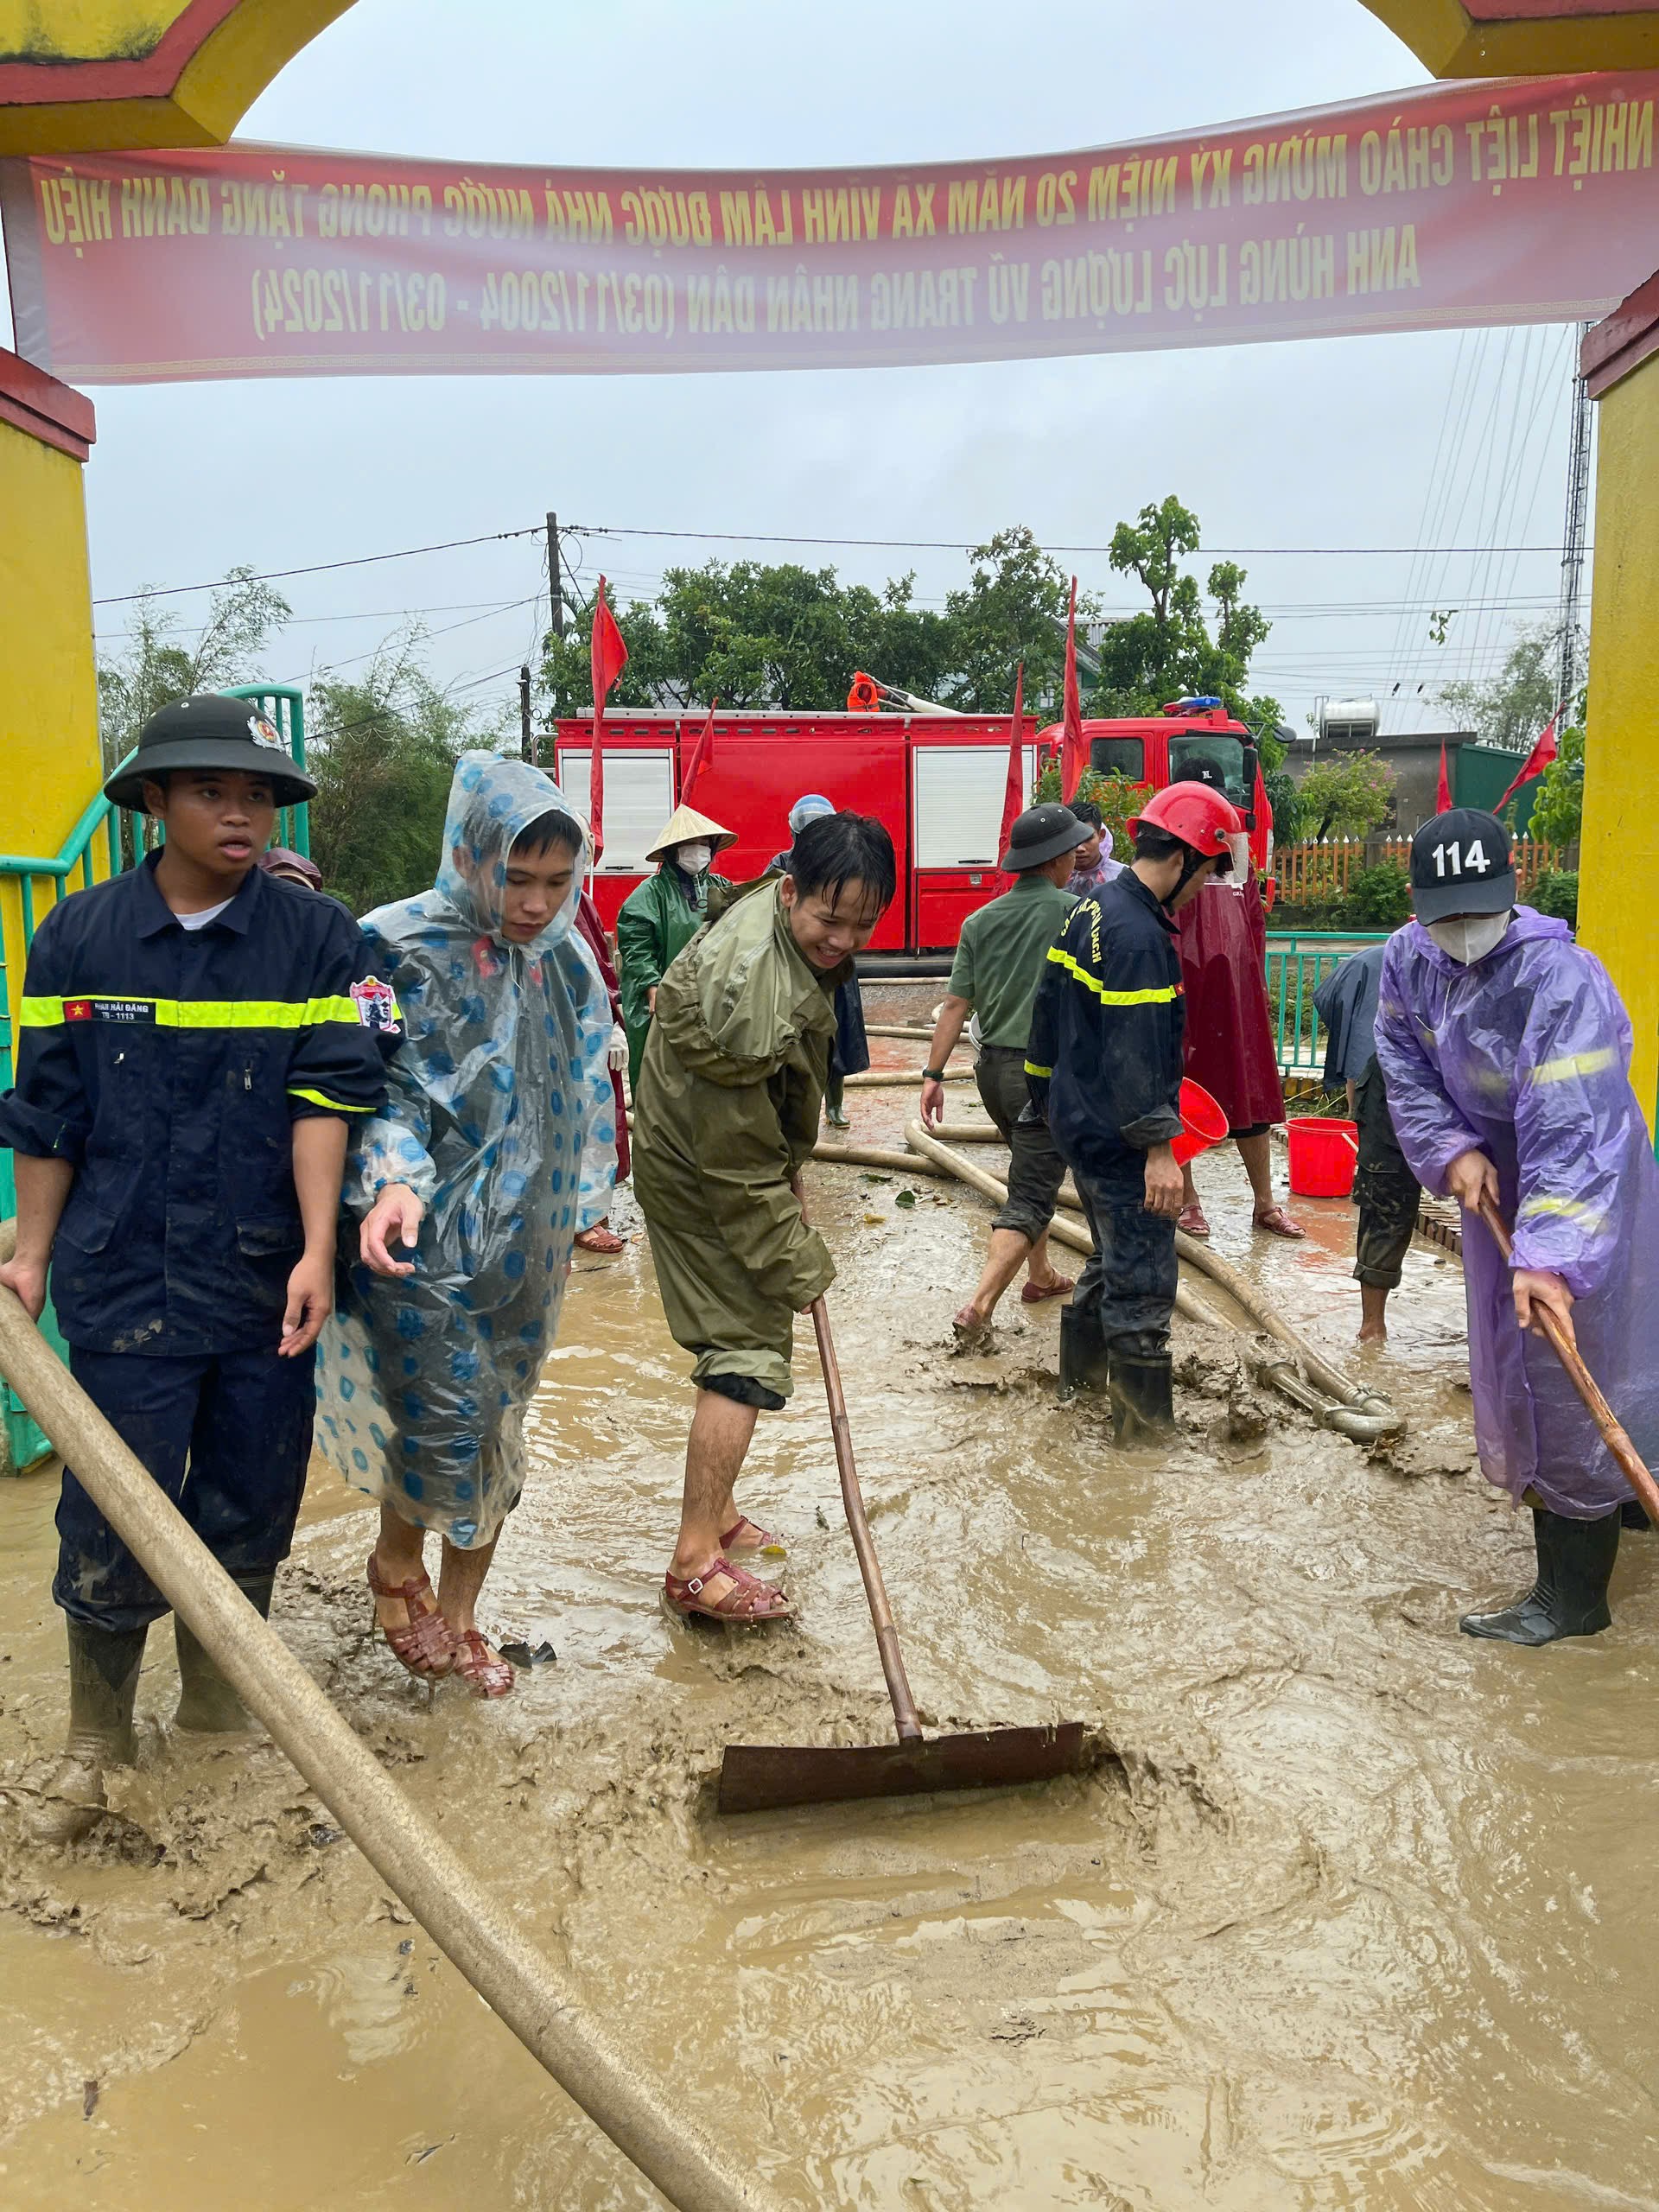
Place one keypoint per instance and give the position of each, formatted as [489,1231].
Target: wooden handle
[852,1498]
[1631,1463]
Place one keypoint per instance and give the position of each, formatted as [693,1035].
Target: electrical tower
[1572,534]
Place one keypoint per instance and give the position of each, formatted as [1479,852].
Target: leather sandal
[1277,1222]
[761,1541]
[1191,1219]
[485,1673]
[601,1237]
[1033,1293]
[749,1600]
[427,1644]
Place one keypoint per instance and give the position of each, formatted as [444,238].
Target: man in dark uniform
[1104,1067]
[195,1037]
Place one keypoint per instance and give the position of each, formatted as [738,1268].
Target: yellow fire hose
[466,1923]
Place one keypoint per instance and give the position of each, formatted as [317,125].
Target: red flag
[702,754]
[1443,789]
[1013,797]
[1535,762]
[1262,806]
[1074,753]
[607,657]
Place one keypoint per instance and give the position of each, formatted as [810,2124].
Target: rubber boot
[1082,1354]
[104,1667]
[1143,1394]
[207,1704]
[1575,1563]
[1634,1514]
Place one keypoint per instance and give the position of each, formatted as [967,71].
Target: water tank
[1348,721]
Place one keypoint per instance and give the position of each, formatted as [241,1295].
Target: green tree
[161,661]
[383,749]
[1174,649]
[1345,795]
[1012,609]
[1558,810]
[1512,710]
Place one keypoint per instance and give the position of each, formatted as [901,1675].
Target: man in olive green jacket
[726,1112]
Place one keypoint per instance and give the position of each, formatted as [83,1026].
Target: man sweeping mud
[1507,1055]
[725,1115]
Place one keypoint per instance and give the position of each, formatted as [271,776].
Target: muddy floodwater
[1358,1915]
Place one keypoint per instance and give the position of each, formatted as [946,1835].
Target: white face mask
[1469,936]
[694,858]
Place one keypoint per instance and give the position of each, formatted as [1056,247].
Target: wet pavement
[1358,1916]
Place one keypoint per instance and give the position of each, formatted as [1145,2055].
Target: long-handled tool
[756,1777]
[1631,1463]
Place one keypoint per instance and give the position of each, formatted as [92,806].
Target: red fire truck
[936,779]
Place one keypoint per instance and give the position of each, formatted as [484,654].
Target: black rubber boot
[1082,1354]
[207,1704]
[1143,1394]
[103,1683]
[1633,1514]
[1575,1563]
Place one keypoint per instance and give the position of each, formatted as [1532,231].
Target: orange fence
[1311,874]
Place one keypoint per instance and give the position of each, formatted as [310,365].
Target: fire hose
[466,1923]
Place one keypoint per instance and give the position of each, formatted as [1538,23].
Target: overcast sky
[1338,443]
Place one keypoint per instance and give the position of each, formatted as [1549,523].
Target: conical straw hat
[685,824]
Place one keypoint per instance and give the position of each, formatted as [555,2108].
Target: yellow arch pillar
[1616,900]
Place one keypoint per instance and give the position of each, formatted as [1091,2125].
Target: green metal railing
[1297,965]
[104,835]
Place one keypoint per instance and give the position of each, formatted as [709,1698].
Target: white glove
[617,1059]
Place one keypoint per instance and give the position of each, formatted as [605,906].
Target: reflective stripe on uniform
[204,1014]
[1592,1217]
[1042,1074]
[1574,1066]
[317,1098]
[1165,995]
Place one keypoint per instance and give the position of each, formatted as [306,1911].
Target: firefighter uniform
[169,1065]
[1104,1064]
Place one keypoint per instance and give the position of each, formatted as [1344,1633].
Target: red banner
[1526,200]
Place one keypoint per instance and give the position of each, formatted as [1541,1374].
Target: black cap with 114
[1461,863]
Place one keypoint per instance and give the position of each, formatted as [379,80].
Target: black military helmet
[1043,833]
[1461,863]
[207,731]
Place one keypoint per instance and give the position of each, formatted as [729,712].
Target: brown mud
[1359,1916]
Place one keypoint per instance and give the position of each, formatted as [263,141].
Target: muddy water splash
[1360,1918]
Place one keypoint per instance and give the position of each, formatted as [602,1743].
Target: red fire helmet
[1199,815]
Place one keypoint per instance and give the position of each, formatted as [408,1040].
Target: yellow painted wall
[1556,41]
[1615,892]
[49,760]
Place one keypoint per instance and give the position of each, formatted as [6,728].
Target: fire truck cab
[1157,749]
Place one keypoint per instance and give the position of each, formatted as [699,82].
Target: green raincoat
[726,1112]
[658,921]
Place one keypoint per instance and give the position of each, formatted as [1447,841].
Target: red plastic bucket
[1203,1123]
[1323,1156]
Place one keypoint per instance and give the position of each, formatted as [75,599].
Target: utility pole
[527,735]
[555,581]
[1573,535]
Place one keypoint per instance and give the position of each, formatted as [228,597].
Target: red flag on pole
[1074,753]
[1443,789]
[1535,762]
[607,657]
[1013,796]
[702,754]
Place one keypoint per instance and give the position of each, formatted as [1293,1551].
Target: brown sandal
[762,1540]
[749,1599]
[485,1673]
[425,1645]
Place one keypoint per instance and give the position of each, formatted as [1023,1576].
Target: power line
[957,545]
[318,568]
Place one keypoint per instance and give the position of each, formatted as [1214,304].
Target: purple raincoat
[1525,1056]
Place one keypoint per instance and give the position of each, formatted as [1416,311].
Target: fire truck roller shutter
[638,799]
[957,795]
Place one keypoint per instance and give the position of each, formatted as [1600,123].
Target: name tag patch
[109,1010]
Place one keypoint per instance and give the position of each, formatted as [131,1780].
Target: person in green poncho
[660,917]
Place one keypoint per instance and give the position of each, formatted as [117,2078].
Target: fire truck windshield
[1213,755]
